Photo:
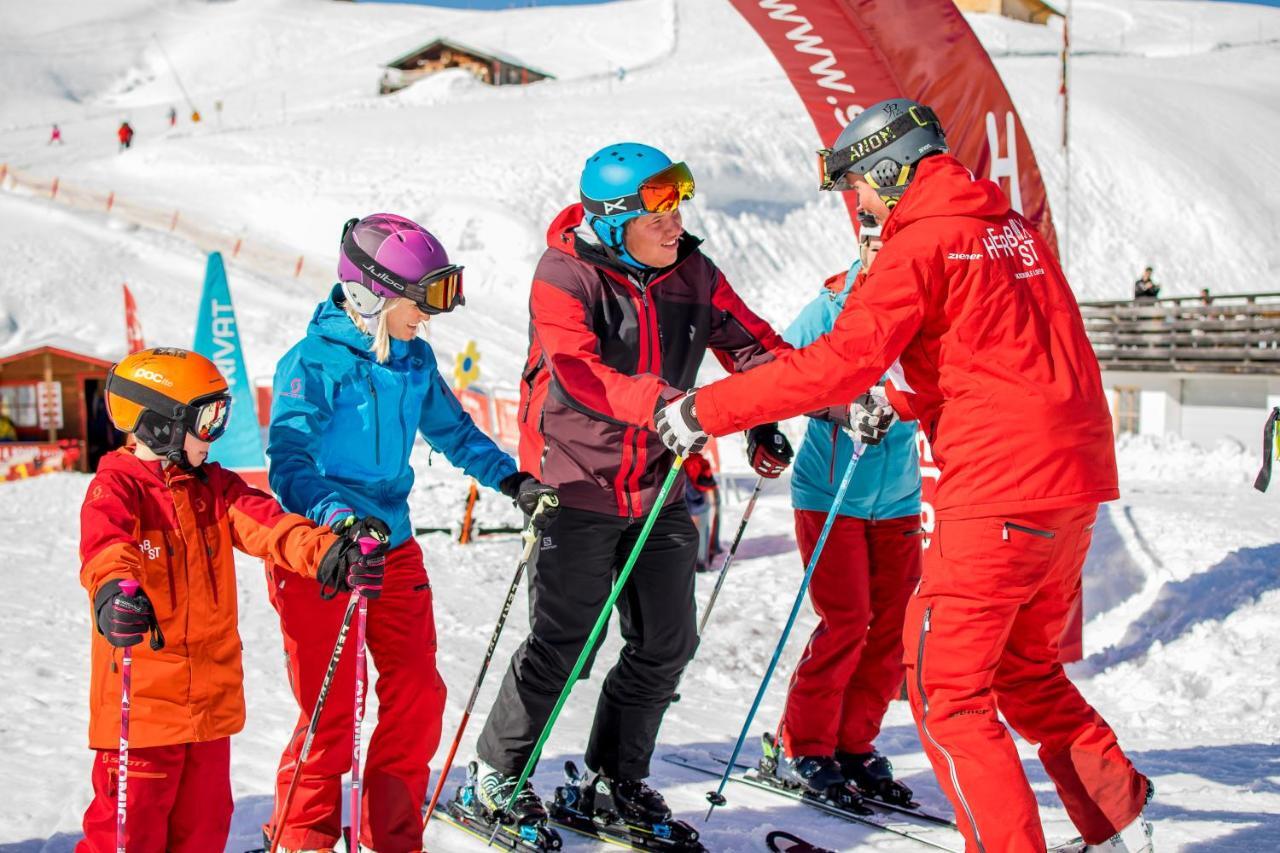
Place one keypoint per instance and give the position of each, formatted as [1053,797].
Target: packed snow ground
[1183,588]
[1182,580]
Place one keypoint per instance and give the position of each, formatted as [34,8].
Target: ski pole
[127,588]
[716,797]
[728,560]
[590,644]
[314,724]
[367,544]
[530,536]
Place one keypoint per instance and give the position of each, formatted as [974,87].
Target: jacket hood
[944,187]
[563,236]
[330,321]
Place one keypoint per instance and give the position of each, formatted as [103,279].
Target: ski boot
[816,775]
[1134,838]
[872,774]
[480,805]
[626,811]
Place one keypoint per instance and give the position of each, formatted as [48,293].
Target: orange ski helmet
[160,395]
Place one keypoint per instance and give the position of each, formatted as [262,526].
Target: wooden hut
[54,397]
[490,67]
[1031,11]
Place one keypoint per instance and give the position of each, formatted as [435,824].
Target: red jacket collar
[944,187]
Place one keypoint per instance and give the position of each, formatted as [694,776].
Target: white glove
[678,426]
[870,416]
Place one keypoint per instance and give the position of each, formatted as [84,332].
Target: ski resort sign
[844,55]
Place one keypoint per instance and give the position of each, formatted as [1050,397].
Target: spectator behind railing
[1145,287]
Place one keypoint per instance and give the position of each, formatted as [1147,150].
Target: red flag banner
[845,55]
[132,328]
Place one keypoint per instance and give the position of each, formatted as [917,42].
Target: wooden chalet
[1031,11]
[54,396]
[496,69]
[1203,367]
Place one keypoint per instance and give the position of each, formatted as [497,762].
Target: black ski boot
[816,775]
[626,812]
[630,800]
[480,805]
[872,774]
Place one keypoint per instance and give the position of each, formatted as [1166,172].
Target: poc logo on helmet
[143,373]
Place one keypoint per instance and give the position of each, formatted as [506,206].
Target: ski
[913,810]
[565,811]
[914,832]
[522,839]
[784,842]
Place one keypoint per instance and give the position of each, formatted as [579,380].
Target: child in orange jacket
[157,515]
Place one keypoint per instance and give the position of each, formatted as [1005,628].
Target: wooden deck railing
[1222,334]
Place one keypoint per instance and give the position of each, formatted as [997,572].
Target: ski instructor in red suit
[971,300]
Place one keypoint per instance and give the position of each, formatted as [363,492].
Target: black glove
[529,494]
[125,619]
[769,451]
[357,560]
[678,427]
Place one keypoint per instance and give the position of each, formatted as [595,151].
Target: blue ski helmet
[625,180]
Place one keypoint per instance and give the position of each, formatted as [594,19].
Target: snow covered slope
[1175,105]
[1163,91]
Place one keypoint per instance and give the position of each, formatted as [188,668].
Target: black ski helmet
[883,144]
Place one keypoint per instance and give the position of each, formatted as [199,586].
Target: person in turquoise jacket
[349,401]
[852,667]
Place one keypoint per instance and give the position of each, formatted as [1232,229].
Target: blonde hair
[381,346]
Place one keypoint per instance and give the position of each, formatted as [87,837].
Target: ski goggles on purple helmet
[438,291]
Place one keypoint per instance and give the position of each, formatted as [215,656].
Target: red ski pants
[852,667]
[402,642]
[179,799]
[982,635]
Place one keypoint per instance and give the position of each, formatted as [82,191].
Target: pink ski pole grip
[368,544]
[129,587]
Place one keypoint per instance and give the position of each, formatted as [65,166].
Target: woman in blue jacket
[852,667]
[349,398]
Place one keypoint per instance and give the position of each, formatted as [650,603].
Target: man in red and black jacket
[617,329]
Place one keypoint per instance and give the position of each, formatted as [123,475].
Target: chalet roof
[67,348]
[483,53]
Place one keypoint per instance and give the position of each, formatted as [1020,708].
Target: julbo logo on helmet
[159,378]
[380,275]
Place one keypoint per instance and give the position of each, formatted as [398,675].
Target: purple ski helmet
[385,256]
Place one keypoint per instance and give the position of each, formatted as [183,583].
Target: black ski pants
[580,556]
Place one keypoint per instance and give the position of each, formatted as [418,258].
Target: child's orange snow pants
[981,636]
[402,642]
[179,799]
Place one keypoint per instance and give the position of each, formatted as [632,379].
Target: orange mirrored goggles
[439,291]
[663,192]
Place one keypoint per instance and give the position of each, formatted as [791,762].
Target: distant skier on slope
[350,399]
[1007,387]
[617,327]
[852,667]
[125,135]
[157,514]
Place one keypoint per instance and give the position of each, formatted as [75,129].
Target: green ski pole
[590,644]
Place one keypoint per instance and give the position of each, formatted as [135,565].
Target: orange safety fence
[253,253]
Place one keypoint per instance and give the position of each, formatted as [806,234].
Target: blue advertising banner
[218,339]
